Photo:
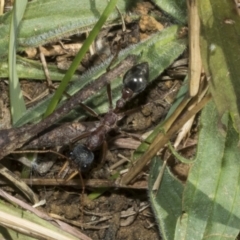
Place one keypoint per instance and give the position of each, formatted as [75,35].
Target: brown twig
[91,183]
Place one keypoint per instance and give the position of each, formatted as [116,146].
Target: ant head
[82,157]
[136,78]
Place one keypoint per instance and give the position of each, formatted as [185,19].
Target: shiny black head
[82,157]
[136,78]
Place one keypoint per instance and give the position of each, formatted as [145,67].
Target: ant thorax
[110,119]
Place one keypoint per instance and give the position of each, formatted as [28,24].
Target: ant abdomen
[82,157]
[136,78]
[134,81]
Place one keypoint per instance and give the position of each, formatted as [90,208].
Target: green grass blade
[211,197]
[59,19]
[93,34]
[220,51]
[16,99]
[166,202]
[209,208]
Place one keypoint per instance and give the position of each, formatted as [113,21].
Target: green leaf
[220,50]
[210,200]
[48,21]
[166,202]
[211,197]
[16,98]
[175,8]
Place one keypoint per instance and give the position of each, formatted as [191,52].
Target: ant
[134,81]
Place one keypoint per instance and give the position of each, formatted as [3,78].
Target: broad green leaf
[16,98]
[210,200]
[212,195]
[49,20]
[159,51]
[175,8]
[46,21]
[220,50]
[166,202]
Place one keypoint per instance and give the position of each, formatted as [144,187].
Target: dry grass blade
[29,228]
[41,218]
[195,62]
[164,137]
[187,126]
[19,184]
[1,6]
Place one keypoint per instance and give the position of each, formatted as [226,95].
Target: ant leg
[82,196]
[104,152]
[109,93]
[132,135]
[103,155]
[89,110]
[81,136]
[131,111]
